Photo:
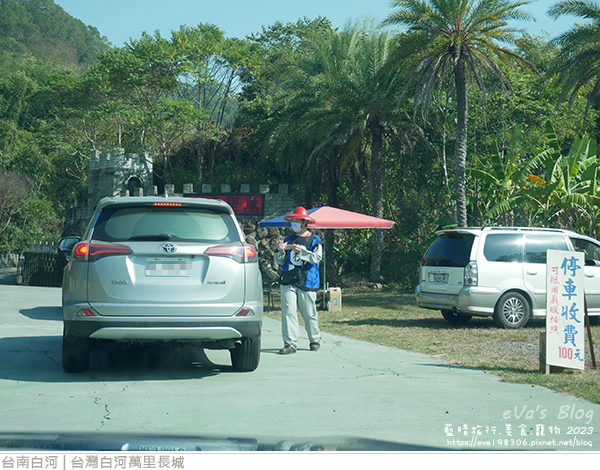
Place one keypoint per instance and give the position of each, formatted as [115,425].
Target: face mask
[296,227]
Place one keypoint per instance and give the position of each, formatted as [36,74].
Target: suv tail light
[471,274]
[86,251]
[241,253]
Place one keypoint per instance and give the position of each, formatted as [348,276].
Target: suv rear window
[125,223]
[450,250]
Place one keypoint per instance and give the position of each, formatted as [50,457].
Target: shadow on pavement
[52,313]
[39,358]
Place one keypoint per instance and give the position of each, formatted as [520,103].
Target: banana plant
[500,193]
[567,194]
[549,188]
[577,172]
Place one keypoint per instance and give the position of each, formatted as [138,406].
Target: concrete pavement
[348,388]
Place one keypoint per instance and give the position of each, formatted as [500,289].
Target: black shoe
[287,349]
[315,346]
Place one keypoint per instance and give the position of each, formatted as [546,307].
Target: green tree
[263,102]
[25,214]
[580,48]
[455,37]
[213,67]
[137,88]
[338,104]
[213,70]
[174,97]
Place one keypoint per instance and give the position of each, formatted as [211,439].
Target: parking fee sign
[565,309]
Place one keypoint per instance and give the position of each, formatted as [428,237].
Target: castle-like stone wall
[275,203]
[264,240]
[116,174]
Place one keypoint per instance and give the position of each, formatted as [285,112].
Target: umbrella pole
[324,305]
[324,271]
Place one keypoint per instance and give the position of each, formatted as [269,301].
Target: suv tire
[456,318]
[75,354]
[512,311]
[246,355]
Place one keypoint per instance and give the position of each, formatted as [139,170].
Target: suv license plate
[438,278]
[168,267]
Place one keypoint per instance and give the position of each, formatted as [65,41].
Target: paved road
[349,388]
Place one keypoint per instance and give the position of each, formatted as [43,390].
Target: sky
[122,20]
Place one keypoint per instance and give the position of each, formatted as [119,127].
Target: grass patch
[391,318]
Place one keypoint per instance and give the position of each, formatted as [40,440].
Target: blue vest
[309,273]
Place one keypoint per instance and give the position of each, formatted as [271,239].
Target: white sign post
[565,310]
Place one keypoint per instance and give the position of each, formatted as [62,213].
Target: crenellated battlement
[244,188]
[279,200]
[119,159]
[276,200]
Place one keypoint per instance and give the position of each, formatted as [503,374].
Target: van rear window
[450,250]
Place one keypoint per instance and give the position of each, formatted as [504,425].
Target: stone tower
[118,174]
[110,174]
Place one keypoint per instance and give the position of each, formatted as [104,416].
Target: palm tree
[367,97]
[338,105]
[461,37]
[580,48]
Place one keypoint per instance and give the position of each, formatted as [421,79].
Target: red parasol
[327,217]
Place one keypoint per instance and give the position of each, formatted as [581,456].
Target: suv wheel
[246,355]
[456,318]
[512,311]
[75,354]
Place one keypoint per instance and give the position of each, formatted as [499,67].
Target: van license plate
[168,267]
[438,278]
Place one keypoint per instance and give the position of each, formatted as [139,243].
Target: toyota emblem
[168,248]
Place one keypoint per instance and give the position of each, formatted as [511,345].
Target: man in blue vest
[299,254]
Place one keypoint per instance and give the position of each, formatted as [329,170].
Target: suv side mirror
[66,244]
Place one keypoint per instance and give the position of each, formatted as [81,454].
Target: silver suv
[499,272]
[173,270]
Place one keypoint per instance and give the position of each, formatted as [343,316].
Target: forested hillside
[42,29]
[43,52]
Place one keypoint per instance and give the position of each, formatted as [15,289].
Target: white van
[499,272]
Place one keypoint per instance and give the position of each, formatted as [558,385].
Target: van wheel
[456,318]
[246,355]
[512,311]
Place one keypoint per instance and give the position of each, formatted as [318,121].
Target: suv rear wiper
[157,237]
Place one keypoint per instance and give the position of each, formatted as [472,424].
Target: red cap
[299,213]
